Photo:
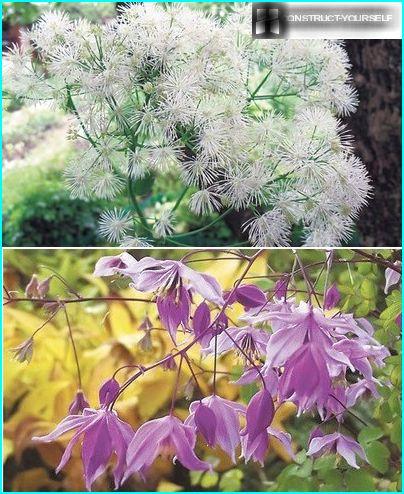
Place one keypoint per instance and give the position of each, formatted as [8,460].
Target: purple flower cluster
[294,352]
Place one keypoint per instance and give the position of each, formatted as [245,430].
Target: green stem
[203,228]
[261,84]
[136,205]
[179,200]
[72,106]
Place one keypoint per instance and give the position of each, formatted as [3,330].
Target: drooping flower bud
[259,415]
[250,296]
[332,297]
[23,352]
[43,287]
[78,404]
[169,363]
[146,344]
[108,392]
[31,290]
[205,422]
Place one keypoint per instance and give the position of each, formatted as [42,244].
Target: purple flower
[302,325]
[205,423]
[108,392]
[103,434]
[79,403]
[331,297]
[24,351]
[251,340]
[360,354]
[110,265]
[259,415]
[343,445]
[173,309]
[172,280]
[201,325]
[249,296]
[166,436]
[355,391]
[227,431]
[31,290]
[305,379]
[257,450]
[392,277]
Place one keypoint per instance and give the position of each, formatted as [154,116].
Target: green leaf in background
[231,481]
[378,456]
[369,434]
[359,480]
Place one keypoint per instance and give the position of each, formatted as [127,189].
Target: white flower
[167,89]
[268,230]
[204,202]
[114,224]
[164,224]
[129,242]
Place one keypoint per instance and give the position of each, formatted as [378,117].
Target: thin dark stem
[74,348]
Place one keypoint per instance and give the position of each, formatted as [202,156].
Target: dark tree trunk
[376,70]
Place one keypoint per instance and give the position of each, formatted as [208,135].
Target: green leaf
[359,480]
[378,455]
[195,477]
[209,479]
[395,433]
[368,290]
[369,434]
[324,463]
[231,481]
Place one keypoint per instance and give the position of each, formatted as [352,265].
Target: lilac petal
[283,344]
[260,413]
[355,391]
[284,438]
[108,392]
[143,449]
[392,278]
[110,265]
[96,450]
[256,449]
[205,422]
[319,443]
[250,296]
[151,275]
[347,447]
[204,284]
[78,404]
[67,424]
[184,439]
[332,297]
[121,434]
[227,425]
[82,430]
[174,309]
[201,324]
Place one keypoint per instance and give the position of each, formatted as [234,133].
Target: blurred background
[37,395]
[37,209]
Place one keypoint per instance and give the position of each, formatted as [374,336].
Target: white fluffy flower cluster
[247,124]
